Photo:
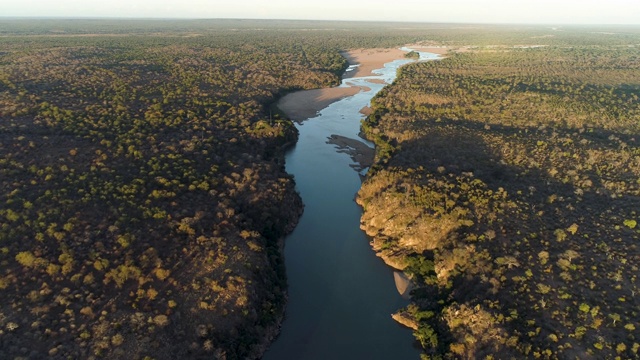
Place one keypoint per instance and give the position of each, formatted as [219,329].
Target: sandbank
[360,153]
[302,105]
[440,50]
[366,111]
[305,104]
[370,59]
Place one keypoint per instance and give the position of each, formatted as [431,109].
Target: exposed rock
[392,257]
[405,319]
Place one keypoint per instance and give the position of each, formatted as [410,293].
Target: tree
[427,337]
[570,255]
[26,259]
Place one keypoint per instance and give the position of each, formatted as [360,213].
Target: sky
[463,11]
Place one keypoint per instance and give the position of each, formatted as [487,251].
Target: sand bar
[305,104]
[359,151]
[440,50]
[370,59]
[302,105]
[366,111]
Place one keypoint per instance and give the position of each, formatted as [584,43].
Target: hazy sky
[510,11]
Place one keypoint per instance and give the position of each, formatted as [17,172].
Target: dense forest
[144,199]
[507,184]
[143,190]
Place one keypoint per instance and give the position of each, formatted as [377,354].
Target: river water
[341,296]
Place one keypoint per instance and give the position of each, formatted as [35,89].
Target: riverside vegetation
[507,184]
[142,188]
[144,196]
[142,182]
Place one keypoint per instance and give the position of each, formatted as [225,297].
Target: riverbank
[472,222]
[305,104]
[302,105]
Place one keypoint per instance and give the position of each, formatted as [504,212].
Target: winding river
[341,296]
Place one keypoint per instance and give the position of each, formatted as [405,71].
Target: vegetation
[413,55]
[506,184]
[143,191]
[144,197]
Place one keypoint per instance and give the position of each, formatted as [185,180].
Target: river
[341,296]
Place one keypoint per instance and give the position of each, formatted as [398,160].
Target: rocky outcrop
[405,319]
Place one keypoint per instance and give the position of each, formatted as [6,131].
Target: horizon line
[37,17]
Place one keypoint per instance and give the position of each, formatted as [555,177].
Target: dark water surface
[341,296]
